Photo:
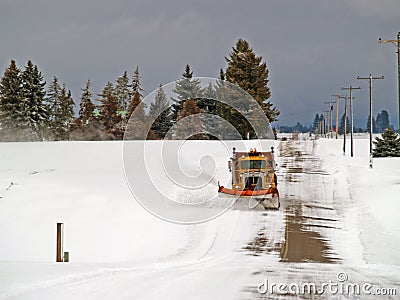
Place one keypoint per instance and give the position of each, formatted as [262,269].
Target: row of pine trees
[379,123]
[30,112]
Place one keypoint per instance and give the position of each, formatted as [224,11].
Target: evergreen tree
[316,124]
[87,126]
[11,104]
[388,145]
[247,70]
[53,95]
[160,112]
[135,103]
[385,119]
[35,110]
[136,126]
[86,106]
[136,83]
[64,115]
[123,91]
[109,112]
[186,88]
[189,128]
[107,91]
[61,110]
[189,108]
[223,110]
[382,121]
[110,117]
[208,107]
[233,107]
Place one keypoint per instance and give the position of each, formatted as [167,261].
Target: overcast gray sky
[312,47]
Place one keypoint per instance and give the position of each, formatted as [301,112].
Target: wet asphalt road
[307,239]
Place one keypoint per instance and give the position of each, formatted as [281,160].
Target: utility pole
[398,62]
[351,115]
[326,125]
[337,114]
[320,127]
[345,122]
[370,78]
[330,117]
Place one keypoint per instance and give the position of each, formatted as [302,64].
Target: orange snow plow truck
[253,176]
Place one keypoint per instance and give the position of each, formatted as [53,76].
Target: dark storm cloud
[312,47]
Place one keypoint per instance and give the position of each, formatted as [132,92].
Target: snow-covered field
[337,215]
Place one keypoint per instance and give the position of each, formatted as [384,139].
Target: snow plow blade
[268,198]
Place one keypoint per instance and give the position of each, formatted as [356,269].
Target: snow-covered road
[119,251]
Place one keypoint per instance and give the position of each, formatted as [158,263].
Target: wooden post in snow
[60,242]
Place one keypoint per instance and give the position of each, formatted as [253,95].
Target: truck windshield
[253,164]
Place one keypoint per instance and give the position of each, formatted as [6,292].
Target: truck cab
[253,170]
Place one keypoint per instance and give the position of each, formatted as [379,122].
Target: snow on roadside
[368,197]
[83,186]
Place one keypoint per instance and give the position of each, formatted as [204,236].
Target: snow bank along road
[338,222]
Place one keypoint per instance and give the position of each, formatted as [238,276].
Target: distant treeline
[296,128]
[32,111]
[321,125]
